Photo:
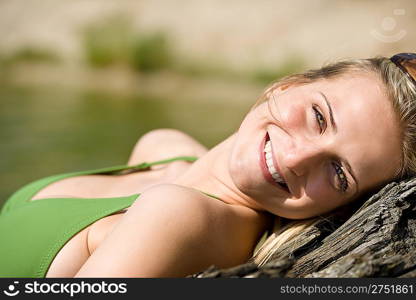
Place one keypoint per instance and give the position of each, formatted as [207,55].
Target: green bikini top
[44,226]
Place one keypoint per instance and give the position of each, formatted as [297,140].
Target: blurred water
[45,131]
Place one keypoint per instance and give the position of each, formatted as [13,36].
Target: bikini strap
[146,165]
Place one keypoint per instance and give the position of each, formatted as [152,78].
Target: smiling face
[328,142]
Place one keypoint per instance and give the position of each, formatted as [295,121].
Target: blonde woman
[313,143]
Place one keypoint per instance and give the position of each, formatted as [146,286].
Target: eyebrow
[331,115]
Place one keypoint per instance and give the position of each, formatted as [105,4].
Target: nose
[304,157]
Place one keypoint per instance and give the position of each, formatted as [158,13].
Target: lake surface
[45,131]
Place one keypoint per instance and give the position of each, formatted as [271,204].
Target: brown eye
[319,119]
[343,182]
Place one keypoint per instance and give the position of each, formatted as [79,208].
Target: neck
[210,174]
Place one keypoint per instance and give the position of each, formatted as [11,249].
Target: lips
[269,167]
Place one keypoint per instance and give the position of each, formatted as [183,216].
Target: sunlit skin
[309,150]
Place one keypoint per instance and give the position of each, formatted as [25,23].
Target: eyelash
[341,176]
[319,118]
[338,169]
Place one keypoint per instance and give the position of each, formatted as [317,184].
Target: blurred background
[81,81]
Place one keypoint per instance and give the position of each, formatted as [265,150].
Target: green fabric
[33,232]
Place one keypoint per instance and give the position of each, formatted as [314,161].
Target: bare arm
[169,231]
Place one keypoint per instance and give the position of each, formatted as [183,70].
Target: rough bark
[377,239]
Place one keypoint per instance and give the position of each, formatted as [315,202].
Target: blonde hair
[402,93]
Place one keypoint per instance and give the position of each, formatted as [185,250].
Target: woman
[313,143]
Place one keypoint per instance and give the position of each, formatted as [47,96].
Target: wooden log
[375,237]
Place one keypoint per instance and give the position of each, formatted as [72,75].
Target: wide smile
[269,166]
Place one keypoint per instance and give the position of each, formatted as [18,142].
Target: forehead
[369,134]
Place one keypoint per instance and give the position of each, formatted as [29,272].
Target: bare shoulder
[170,231]
[230,230]
[165,143]
[175,200]
[178,196]
[185,204]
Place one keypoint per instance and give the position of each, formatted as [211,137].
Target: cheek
[293,115]
[322,195]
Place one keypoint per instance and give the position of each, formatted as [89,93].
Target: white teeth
[268,146]
[271,167]
[269,162]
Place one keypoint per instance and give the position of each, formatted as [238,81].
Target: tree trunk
[376,240]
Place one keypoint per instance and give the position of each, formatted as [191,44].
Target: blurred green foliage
[108,42]
[151,53]
[30,54]
[113,41]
